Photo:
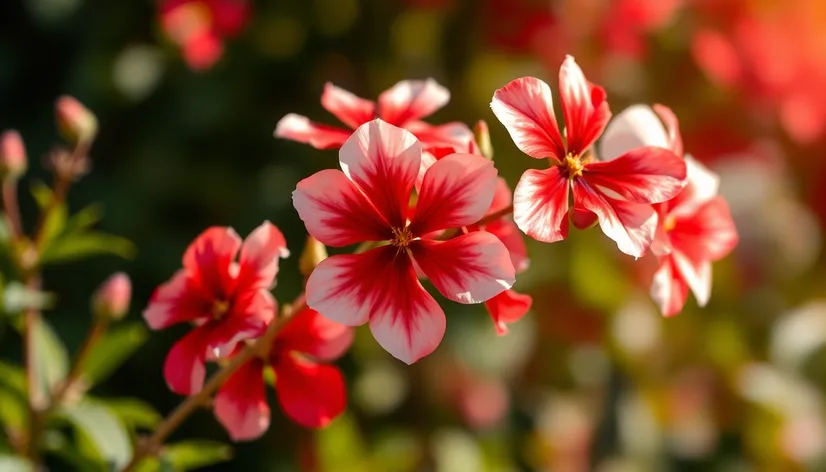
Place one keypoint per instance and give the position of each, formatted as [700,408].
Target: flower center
[669,223]
[574,164]
[401,238]
[219,309]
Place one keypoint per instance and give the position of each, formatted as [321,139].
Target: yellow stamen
[669,223]
[219,309]
[401,238]
[574,165]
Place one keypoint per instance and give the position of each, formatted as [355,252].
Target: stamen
[219,309]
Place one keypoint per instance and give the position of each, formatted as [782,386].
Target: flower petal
[383,161]
[470,268]
[184,366]
[637,126]
[176,301]
[454,135]
[336,212]
[584,106]
[241,403]
[208,259]
[507,232]
[300,128]
[672,124]
[668,289]
[310,394]
[696,274]
[248,317]
[456,191]
[709,234]
[701,186]
[410,100]
[540,204]
[525,107]
[260,253]
[643,175]
[312,334]
[507,307]
[352,110]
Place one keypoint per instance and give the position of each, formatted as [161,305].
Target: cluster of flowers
[424,202]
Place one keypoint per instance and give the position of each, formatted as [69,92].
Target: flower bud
[314,252]
[75,121]
[12,155]
[111,301]
[482,134]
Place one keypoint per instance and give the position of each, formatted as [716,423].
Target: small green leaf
[42,194]
[341,446]
[102,429]
[13,410]
[134,412]
[13,377]
[52,359]
[18,297]
[56,443]
[191,455]
[79,246]
[53,225]
[15,464]
[114,349]
[83,219]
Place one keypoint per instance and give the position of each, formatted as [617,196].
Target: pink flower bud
[112,298]
[482,135]
[13,161]
[75,121]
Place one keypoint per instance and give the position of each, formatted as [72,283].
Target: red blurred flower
[402,105]
[310,393]
[369,201]
[694,228]
[227,301]
[198,27]
[617,193]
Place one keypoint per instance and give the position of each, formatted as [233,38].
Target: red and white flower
[227,301]
[369,201]
[403,105]
[617,193]
[309,391]
[695,228]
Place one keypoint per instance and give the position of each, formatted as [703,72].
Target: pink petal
[643,175]
[184,366]
[383,161]
[708,234]
[507,307]
[208,259]
[672,124]
[701,186]
[456,191]
[584,106]
[502,197]
[635,127]
[312,334]
[310,394]
[696,274]
[241,403]
[176,301]
[336,212]
[454,135]
[247,318]
[470,268]
[507,232]
[526,109]
[260,253]
[668,290]
[300,128]
[540,204]
[353,111]
[410,100]
[630,225]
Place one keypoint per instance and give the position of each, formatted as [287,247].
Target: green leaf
[134,412]
[114,349]
[15,464]
[191,455]
[101,427]
[42,193]
[83,219]
[56,443]
[13,377]
[18,297]
[13,410]
[79,246]
[53,225]
[341,446]
[52,359]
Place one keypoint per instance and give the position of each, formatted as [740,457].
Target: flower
[13,161]
[617,193]
[227,301]
[310,393]
[368,201]
[695,228]
[402,105]
[199,26]
[111,300]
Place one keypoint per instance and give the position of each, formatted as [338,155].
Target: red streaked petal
[470,268]
[502,197]
[630,225]
[507,232]
[584,107]
[454,135]
[310,394]
[176,301]
[352,110]
[635,127]
[540,204]
[241,403]
[525,107]
[336,212]
[695,274]
[383,161]
[708,234]
[701,186]
[184,366]
[668,289]
[672,124]
[643,175]
[410,100]
[249,315]
[312,334]
[260,253]
[456,191]
[300,128]
[208,259]
[507,307]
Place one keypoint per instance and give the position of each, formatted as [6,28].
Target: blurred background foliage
[593,378]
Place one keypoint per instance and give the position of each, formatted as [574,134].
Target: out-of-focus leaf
[52,359]
[397,450]
[341,446]
[18,297]
[83,219]
[102,429]
[113,350]
[13,410]
[191,455]
[595,277]
[53,225]
[134,412]
[15,464]
[5,231]
[79,246]
[42,194]
[13,377]
[56,443]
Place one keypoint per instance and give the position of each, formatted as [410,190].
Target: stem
[150,446]
[35,396]
[62,183]
[98,330]
[12,208]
